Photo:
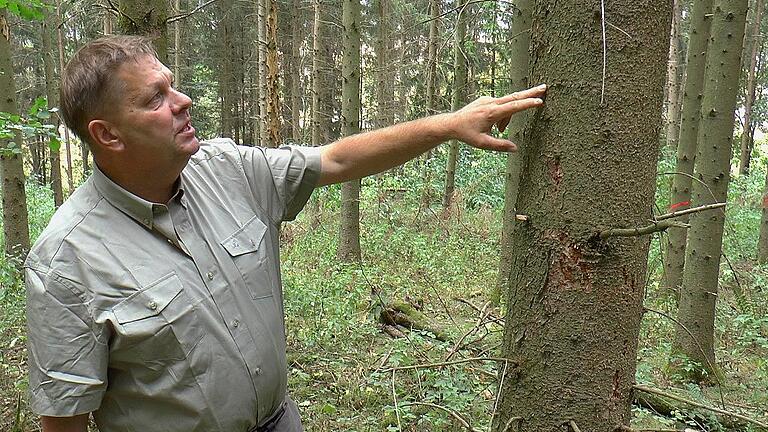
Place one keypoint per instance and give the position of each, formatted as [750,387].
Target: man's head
[89,86]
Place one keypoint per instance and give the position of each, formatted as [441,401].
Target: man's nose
[183,102]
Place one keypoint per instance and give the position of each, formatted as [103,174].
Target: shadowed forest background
[561,288]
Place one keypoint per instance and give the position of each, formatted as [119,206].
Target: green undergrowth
[343,366]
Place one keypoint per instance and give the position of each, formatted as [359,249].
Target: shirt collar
[134,206]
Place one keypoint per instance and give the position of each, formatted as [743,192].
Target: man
[154,294]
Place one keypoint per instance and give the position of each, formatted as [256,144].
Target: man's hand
[473,123]
[372,152]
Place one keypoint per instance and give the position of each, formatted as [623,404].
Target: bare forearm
[379,150]
[65,424]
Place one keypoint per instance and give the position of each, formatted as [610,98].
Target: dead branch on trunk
[634,232]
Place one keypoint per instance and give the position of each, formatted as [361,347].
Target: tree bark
[52,95]
[317,82]
[674,260]
[698,293]
[431,102]
[385,85]
[749,97]
[67,142]
[459,98]
[296,39]
[349,230]
[589,163]
[674,76]
[273,77]
[146,18]
[262,8]
[518,75]
[15,218]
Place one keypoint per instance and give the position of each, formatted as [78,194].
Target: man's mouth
[187,128]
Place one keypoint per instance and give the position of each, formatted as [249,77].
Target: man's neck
[144,183]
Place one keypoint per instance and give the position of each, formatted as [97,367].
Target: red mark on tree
[765,201]
[676,206]
[555,171]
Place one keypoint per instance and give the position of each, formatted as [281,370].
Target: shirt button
[257,371]
[146,221]
[152,305]
[209,275]
[235,323]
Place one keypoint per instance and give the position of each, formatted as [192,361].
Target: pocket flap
[246,239]
[149,301]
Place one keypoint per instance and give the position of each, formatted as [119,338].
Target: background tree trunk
[702,262]
[296,40]
[675,75]
[674,256]
[432,93]
[67,141]
[575,301]
[518,76]
[749,96]
[146,18]
[274,125]
[458,100]
[317,81]
[263,82]
[51,92]
[349,230]
[15,218]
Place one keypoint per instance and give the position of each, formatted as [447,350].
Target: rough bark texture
[147,18]
[458,99]
[385,79]
[349,229]
[53,101]
[274,124]
[698,293]
[674,76]
[674,258]
[67,141]
[15,220]
[589,163]
[518,75]
[762,242]
[317,82]
[263,82]
[296,39]
[747,131]
[177,77]
[431,102]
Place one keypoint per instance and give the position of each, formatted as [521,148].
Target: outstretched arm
[372,152]
[65,424]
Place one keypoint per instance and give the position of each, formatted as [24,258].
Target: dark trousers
[286,419]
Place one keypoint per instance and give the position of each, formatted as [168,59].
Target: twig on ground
[509,423]
[574,426]
[650,390]
[394,397]
[483,315]
[453,414]
[450,363]
[498,392]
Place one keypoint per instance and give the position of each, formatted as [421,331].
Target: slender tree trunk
[762,243]
[317,82]
[147,18]
[177,46]
[67,142]
[385,85]
[273,76]
[226,69]
[674,258]
[263,69]
[53,101]
[15,218]
[296,39]
[749,99]
[674,76]
[108,22]
[431,102]
[349,231]
[518,75]
[459,98]
[702,262]
[575,300]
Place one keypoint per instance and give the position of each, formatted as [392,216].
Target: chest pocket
[157,324]
[249,251]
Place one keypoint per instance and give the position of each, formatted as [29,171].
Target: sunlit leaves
[31,10]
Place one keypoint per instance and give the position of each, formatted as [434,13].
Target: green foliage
[31,10]
[33,124]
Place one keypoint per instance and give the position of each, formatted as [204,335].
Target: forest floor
[343,367]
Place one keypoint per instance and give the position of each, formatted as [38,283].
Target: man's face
[151,117]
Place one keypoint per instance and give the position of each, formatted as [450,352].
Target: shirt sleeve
[286,176]
[67,351]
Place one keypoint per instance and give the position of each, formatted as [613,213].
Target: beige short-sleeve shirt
[168,317]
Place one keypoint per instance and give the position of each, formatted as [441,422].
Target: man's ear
[104,135]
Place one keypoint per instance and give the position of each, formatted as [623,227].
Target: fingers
[533,92]
[488,142]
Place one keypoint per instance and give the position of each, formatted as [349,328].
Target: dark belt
[270,424]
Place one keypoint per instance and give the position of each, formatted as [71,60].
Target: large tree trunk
[674,76]
[261,45]
[349,230]
[518,76]
[431,102]
[458,100]
[146,18]
[273,76]
[295,88]
[698,293]
[674,260]
[749,98]
[67,141]
[53,101]
[15,219]
[589,163]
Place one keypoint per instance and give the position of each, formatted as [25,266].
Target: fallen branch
[634,232]
[690,210]
[450,363]
[574,426]
[404,314]
[656,392]
[453,414]
[185,15]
